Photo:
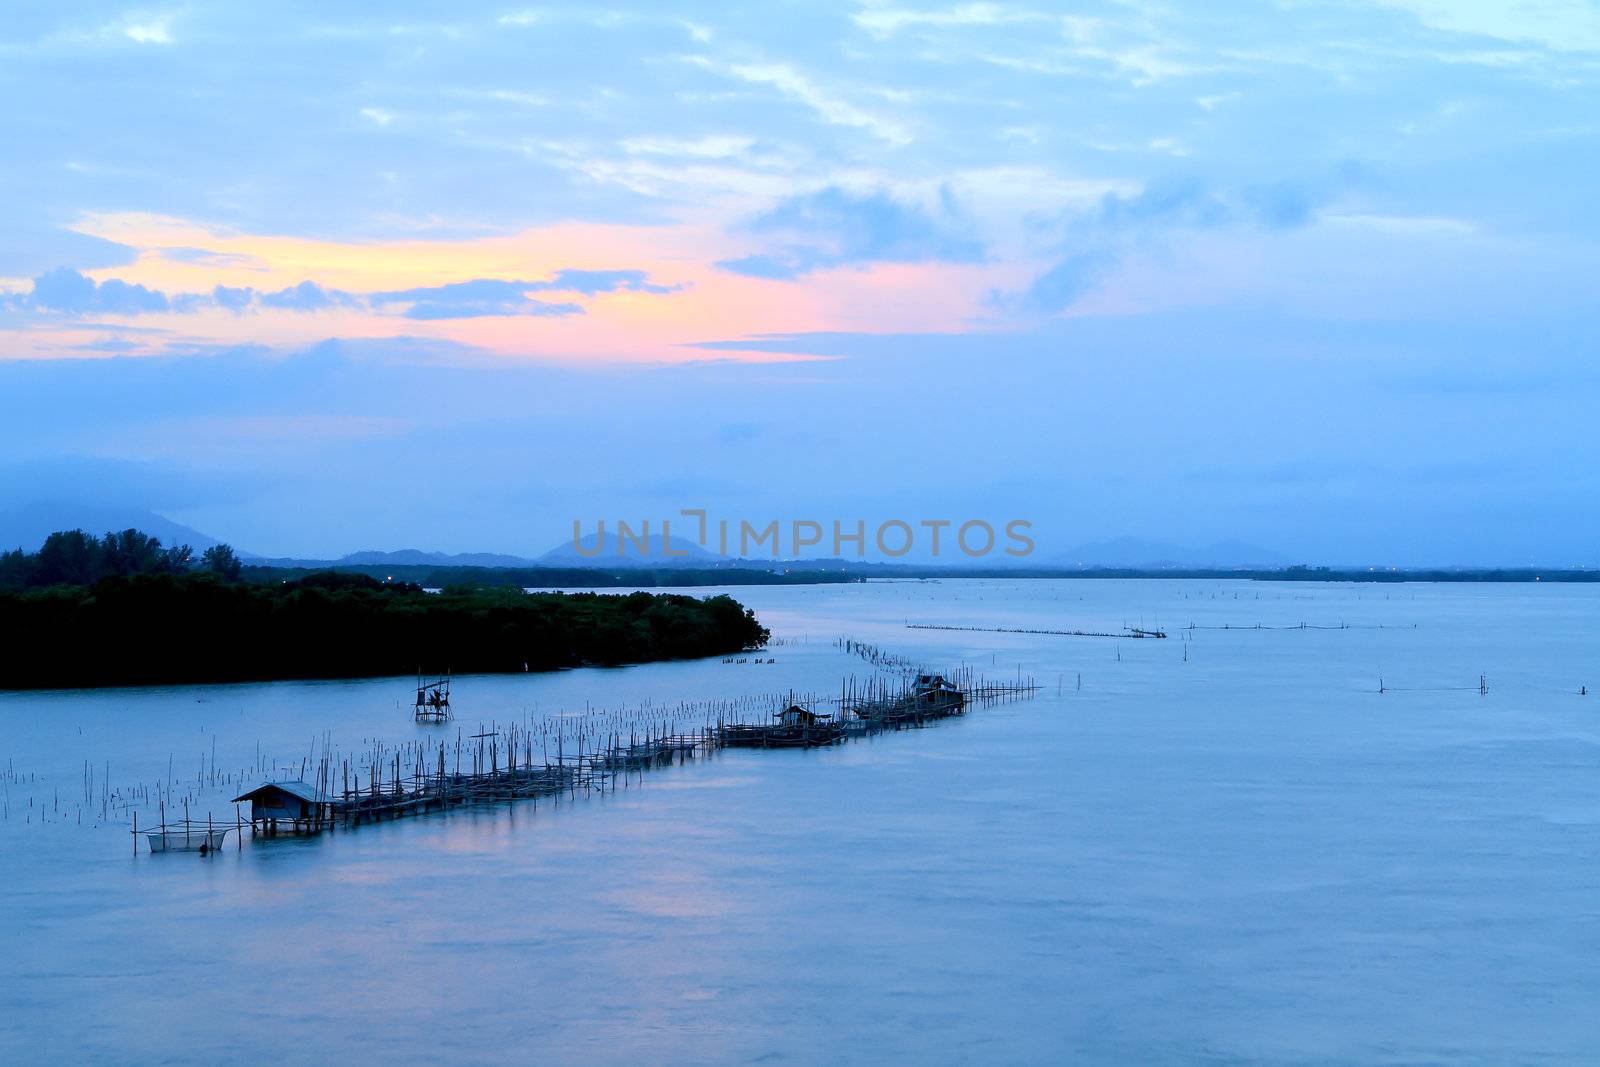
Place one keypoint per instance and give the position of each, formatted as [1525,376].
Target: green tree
[68,557]
[222,560]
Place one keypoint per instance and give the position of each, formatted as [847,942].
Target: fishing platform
[433,700]
[513,763]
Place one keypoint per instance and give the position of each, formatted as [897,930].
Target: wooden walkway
[504,768]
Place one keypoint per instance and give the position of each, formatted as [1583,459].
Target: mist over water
[1223,846]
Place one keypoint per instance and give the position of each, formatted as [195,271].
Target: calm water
[1245,856]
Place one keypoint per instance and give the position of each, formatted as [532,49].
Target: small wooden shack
[293,807]
[796,727]
[795,715]
[934,691]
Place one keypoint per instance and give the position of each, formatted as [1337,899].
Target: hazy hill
[416,557]
[27,526]
[1136,552]
[604,554]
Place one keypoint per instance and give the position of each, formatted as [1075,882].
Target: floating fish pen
[644,755]
[190,835]
[569,754]
[879,705]
[183,835]
[500,768]
[423,792]
[794,727]
[927,698]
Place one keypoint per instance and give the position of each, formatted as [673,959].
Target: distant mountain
[1134,552]
[27,526]
[416,557]
[561,556]
[604,553]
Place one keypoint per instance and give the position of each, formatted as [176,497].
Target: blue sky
[1318,276]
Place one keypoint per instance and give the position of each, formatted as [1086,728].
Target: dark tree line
[191,626]
[74,557]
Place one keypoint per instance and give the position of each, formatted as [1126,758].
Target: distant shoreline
[825,572]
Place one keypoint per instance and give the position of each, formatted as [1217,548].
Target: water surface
[1224,847]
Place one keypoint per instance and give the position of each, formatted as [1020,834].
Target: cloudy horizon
[1314,276]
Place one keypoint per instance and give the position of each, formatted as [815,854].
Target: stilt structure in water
[880,704]
[793,727]
[510,762]
[433,700]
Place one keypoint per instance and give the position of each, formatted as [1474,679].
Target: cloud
[779,267]
[828,106]
[493,296]
[1066,283]
[886,21]
[1559,25]
[1093,242]
[590,282]
[1193,203]
[187,303]
[709,147]
[479,297]
[236,300]
[205,257]
[156,30]
[27,250]
[65,290]
[307,296]
[835,227]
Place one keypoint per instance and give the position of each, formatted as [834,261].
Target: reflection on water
[1224,845]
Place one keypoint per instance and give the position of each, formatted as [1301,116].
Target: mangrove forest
[126,612]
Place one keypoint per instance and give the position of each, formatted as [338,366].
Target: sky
[1319,277]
